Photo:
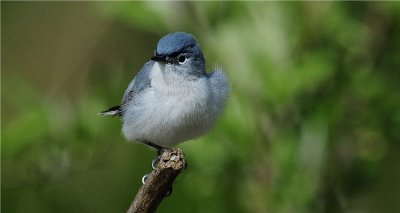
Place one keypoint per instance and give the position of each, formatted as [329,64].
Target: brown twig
[159,182]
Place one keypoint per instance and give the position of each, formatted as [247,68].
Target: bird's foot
[155,162]
[144,178]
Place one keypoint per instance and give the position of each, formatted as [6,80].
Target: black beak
[164,59]
[158,58]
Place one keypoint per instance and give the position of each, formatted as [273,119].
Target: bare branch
[159,182]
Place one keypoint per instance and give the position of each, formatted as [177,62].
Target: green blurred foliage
[312,124]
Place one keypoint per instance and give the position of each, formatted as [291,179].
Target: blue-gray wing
[139,83]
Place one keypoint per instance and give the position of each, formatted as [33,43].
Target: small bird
[172,99]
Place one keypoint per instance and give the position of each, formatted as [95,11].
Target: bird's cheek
[169,67]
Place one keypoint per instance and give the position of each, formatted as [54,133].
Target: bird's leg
[155,146]
[159,152]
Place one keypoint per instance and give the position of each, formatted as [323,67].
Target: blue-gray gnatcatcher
[172,99]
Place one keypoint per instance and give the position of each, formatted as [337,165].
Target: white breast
[173,110]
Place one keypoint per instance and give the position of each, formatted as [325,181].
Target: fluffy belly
[166,120]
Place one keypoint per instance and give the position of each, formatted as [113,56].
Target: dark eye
[182,59]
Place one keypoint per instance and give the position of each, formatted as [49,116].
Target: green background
[312,123]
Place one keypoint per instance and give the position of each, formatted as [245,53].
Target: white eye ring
[182,59]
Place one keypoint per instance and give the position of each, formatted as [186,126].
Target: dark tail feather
[113,111]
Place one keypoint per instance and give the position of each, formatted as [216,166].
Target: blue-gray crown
[175,43]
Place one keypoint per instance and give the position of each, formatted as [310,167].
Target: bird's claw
[144,178]
[155,162]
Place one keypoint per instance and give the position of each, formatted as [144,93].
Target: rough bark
[159,182]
